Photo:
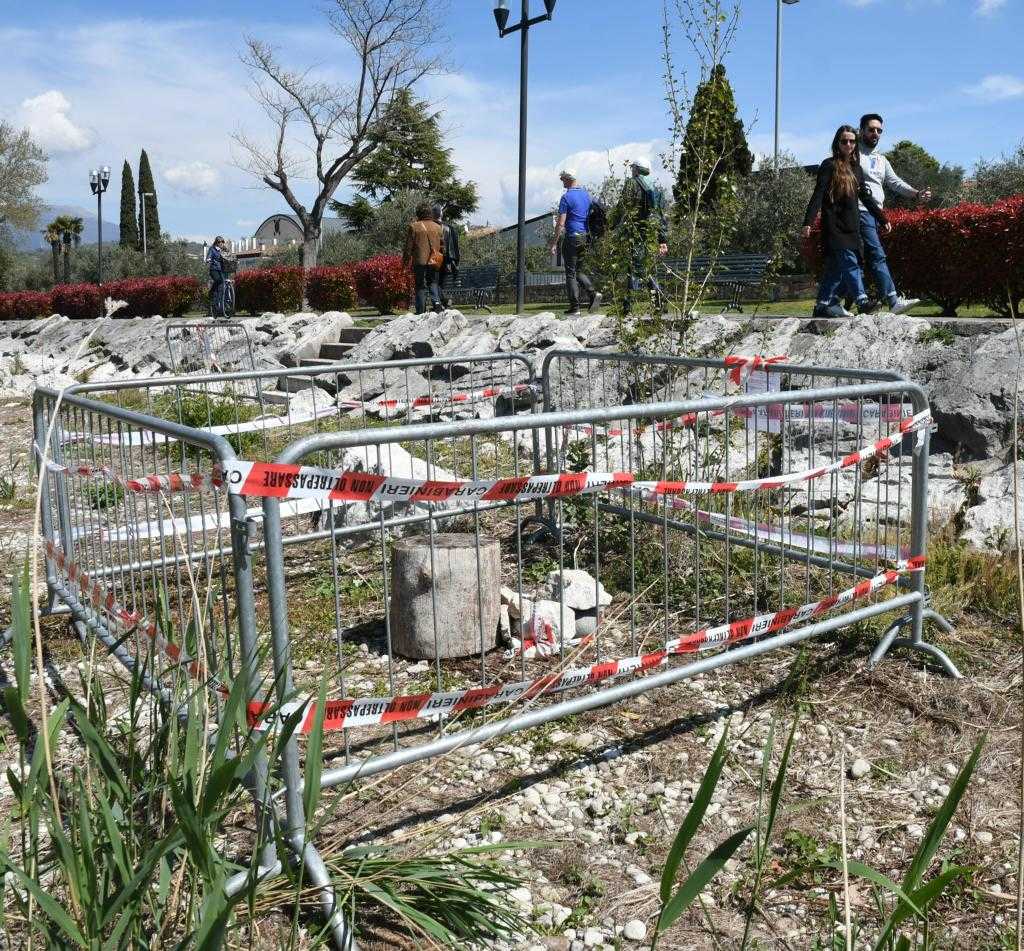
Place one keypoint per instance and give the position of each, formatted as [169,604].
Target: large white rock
[578,589]
[989,524]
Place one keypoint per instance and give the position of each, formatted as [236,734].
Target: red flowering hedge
[276,289]
[25,304]
[384,282]
[968,254]
[331,288]
[78,301]
[150,296]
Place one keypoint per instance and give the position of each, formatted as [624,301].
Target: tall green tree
[997,179]
[148,187]
[129,221]
[22,168]
[408,156]
[914,164]
[771,211]
[714,156]
[70,229]
[54,238]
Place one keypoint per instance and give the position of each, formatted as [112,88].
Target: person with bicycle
[219,270]
[641,209]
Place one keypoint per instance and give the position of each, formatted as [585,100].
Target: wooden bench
[732,270]
[476,286]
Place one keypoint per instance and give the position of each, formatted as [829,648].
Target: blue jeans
[842,274]
[874,255]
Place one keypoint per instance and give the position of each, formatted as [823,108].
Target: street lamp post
[144,196]
[501,14]
[778,70]
[99,178]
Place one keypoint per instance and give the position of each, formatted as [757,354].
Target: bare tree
[322,130]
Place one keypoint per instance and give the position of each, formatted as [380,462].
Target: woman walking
[424,250]
[840,184]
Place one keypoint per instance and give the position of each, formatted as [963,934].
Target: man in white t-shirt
[879,175]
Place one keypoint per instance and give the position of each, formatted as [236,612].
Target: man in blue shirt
[573,210]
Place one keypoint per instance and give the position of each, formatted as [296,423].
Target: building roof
[327,226]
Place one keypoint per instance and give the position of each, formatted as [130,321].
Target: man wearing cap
[642,200]
[573,211]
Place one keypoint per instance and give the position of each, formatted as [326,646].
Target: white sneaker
[902,304]
[836,310]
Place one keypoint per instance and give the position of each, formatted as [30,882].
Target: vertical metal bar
[524,56]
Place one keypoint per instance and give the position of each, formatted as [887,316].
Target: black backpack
[597,219]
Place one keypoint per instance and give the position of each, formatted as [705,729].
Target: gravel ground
[608,790]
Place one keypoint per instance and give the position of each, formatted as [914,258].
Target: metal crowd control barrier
[734,523]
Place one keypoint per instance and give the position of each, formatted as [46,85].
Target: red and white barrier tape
[103,599]
[274,480]
[375,711]
[769,418]
[171,482]
[481,395]
[277,480]
[741,366]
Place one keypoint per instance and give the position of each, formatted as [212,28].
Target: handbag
[436,258]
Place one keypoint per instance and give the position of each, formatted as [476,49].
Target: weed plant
[129,847]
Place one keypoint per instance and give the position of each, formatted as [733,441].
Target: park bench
[476,286]
[734,271]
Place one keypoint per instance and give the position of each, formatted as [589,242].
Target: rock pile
[969,371]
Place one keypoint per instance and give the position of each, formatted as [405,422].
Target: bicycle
[224,309]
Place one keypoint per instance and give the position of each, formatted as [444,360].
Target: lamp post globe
[501,13]
[99,178]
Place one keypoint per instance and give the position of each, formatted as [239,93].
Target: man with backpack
[574,213]
[642,208]
[450,249]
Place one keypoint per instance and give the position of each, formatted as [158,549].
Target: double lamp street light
[501,15]
[99,178]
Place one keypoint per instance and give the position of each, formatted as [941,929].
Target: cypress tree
[146,184]
[715,140]
[129,223]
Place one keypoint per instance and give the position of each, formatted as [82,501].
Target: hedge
[277,289]
[150,296]
[968,254]
[384,282]
[331,288]
[78,301]
[25,304]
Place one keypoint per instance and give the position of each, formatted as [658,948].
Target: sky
[96,82]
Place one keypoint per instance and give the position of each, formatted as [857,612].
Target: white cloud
[46,118]
[986,8]
[193,178]
[998,87]
[806,149]
[543,188]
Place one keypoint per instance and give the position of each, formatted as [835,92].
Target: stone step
[353,334]
[335,351]
[295,384]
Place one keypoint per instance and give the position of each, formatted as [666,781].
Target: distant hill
[33,240]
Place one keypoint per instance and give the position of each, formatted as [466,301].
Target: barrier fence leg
[919,612]
[306,855]
[245,601]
